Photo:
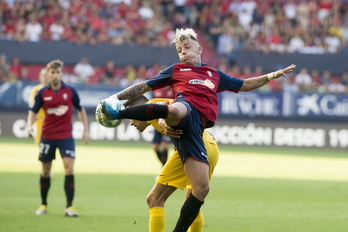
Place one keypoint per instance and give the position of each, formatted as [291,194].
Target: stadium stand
[309,27]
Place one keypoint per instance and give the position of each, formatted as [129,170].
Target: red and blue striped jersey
[58,106]
[198,85]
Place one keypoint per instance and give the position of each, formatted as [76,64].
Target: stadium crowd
[311,27]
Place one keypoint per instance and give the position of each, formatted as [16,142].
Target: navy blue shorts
[158,137]
[191,144]
[48,148]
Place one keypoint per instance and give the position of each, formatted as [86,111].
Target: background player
[57,100]
[41,114]
[172,175]
[160,142]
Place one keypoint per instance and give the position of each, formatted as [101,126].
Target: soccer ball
[102,118]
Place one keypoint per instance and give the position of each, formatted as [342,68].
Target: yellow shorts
[173,173]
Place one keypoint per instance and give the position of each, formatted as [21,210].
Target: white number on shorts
[44,148]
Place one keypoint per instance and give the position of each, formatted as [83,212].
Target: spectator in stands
[140,74]
[145,11]
[33,29]
[290,10]
[25,75]
[325,78]
[20,33]
[215,30]
[9,29]
[4,68]
[153,70]
[296,43]
[225,41]
[344,79]
[316,81]
[304,80]
[290,85]
[83,70]
[130,75]
[336,86]
[108,76]
[56,30]
[16,67]
[333,43]
[70,78]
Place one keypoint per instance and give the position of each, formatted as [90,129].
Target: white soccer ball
[103,119]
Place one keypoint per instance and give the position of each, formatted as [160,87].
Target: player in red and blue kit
[195,107]
[58,101]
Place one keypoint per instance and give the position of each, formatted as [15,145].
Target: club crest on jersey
[210,74]
[65,96]
[207,83]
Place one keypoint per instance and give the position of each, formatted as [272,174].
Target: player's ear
[200,50]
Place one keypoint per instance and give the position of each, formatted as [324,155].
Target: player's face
[55,76]
[189,52]
[43,77]
[140,125]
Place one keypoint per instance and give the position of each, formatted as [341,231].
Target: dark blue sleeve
[228,83]
[75,99]
[38,102]
[161,79]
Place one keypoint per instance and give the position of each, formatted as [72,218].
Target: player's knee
[201,192]
[150,199]
[205,190]
[153,200]
[175,111]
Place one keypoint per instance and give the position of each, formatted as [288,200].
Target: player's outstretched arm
[132,91]
[256,82]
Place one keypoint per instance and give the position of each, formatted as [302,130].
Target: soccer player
[57,100]
[160,143]
[41,114]
[195,107]
[172,175]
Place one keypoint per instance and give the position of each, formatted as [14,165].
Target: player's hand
[85,136]
[283,72]
[167,130]
[30,131]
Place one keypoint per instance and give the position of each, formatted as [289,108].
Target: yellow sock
[197,224]
[157,222]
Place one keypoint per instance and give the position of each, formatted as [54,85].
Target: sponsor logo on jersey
[61,110]
[185,69]
[47,98]
[207,83]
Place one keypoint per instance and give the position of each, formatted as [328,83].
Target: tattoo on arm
[133,91]
[254,83]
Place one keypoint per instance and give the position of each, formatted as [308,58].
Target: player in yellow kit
[172,175]
[41,114]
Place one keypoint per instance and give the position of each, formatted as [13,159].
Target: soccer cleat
[42,210]
[71,212]
[108,110]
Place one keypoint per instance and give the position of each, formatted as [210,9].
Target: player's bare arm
[256,82]
[30,121]
[133,91]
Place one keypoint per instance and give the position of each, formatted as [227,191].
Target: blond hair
[184,34]
[54,64]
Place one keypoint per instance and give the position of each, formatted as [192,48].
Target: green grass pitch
[254,189]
